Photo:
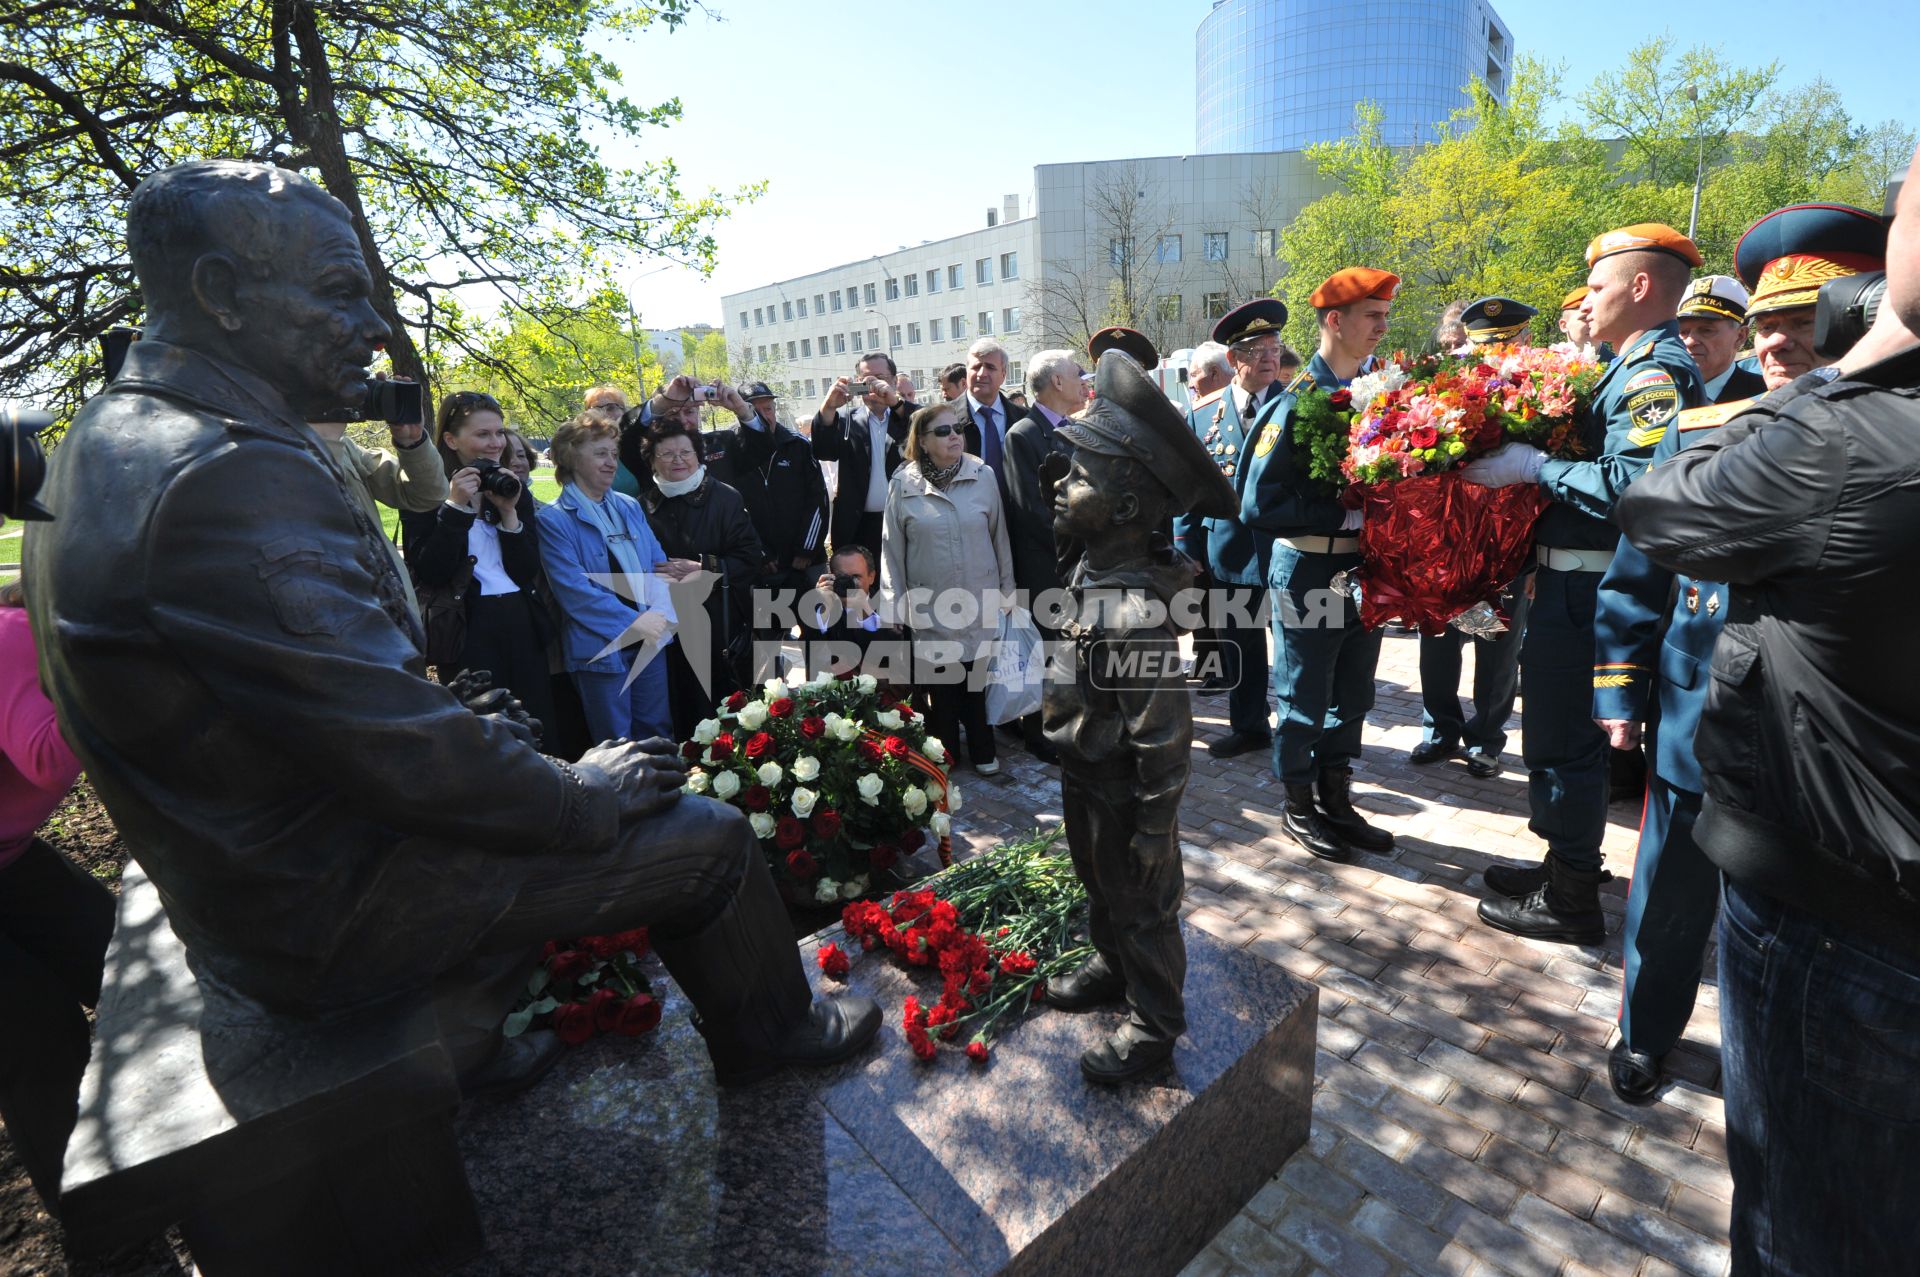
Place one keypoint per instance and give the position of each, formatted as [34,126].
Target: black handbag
[443,614]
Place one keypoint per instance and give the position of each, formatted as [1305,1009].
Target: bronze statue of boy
[1116,704]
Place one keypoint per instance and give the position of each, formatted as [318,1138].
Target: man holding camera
[773,469]
[862,426]
[411,477]
[1808,508]
[846,626]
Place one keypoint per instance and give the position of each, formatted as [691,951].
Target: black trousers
[503,639]
[953,704]
[55,921]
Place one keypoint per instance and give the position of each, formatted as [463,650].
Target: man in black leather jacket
[230,653]
[1810,753]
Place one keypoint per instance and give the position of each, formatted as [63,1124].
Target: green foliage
[1320,433]
[555,359]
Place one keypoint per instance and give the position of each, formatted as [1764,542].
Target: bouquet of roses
[1439,549]
[589,986]
[838,777]
[994,928]
[1322,421]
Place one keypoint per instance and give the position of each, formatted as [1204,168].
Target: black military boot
[1565,911]
[1348,823]
[1306,826]
[1522,880]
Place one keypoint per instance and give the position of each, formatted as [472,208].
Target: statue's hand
[646,775]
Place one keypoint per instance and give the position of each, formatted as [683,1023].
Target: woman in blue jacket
[593,539]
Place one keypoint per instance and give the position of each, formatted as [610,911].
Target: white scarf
[680,487]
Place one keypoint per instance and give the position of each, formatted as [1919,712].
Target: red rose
[736,701]
[780,708]
[906,712]
[639,1014]
[757,798]
[800,864]
[690,749]
[870,751]
[548,949]
[573,1023]
[883,856]
[894,746]
[1424,436]
[833,961]
[637,942]
[722,746]
[570,964]
[813,728]
[976,1049]
[789,833]
[758,746]
[1341,399]
[826,823]
[605,1005]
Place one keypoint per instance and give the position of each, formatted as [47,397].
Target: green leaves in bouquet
[1320,437]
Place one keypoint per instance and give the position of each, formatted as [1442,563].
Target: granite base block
[627,1159]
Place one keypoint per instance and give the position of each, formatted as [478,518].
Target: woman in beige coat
[947,570]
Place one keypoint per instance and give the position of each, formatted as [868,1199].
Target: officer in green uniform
[1636,278]
[1324,659]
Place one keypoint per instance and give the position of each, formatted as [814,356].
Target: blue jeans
[636,712]
[1820,1053]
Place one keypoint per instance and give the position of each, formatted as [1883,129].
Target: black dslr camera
[23,465]
[1845,310]
[497,479]
[845,583]
[397,403]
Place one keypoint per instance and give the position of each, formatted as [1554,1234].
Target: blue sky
[956,104]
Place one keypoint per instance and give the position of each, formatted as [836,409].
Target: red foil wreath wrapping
[1435,545]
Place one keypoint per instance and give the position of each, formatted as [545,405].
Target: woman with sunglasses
[480,552]
[946,566]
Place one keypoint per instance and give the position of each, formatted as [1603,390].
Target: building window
[913,285]
[806,348]
[913,334]
[853,297]
[893,335]
[743,319]
[1265,243]
[823,343]
[934,329]
[1215,245]
[954,278]
[758,318]
[836,300]
[856,339]
[1216,304]
[1010,320]
[1119,251]
[1168,249]
[1016,373]
[803,308]
[983,270]
[1009,266]
[786,311]
[819,305]
[810,390]
[839,343]
[792,348]
[933,280]
[959,327]
[1169,308]
[918,376]
[893,292]
[763,354]
[873,339]
[986,323]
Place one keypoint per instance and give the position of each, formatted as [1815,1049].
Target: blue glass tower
[1277,75]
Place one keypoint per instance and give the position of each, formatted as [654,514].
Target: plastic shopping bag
[1019,665]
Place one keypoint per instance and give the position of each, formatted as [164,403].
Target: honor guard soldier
[1491,321]
[1655,634]
[1636,278]
[1713,326]
[1324,658]
[1574,324]
[1235,555]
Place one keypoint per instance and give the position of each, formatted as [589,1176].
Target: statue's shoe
[835,1029]
[1122,1059]
[517,1065]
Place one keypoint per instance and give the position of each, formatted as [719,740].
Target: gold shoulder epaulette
[1714,414]
[1303,382]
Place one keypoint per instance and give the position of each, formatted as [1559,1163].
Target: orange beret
[1645,237]
[1352,284]
[1574,298]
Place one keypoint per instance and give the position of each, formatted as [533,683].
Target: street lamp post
[874,310]
[1699,162]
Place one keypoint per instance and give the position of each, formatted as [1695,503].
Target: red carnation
[690,749]
[737,700]
[780,708]
[826,823]
[915,1018]
[757,798]
[870,751]
[722,746]
[789,833]
[759,745]
[833,961]
[921,1045]
[883,856]
[800,864]
[573,1023]
[1019,962]
[570,964]
[813,728]
[976,1049]
[605,1005]
[640,1014]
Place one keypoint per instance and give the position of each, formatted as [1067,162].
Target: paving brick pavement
[1462,1120]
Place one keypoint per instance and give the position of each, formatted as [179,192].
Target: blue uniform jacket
[1275,496]
[1638,398]
[1232,551]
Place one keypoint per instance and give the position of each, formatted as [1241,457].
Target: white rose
[913,801]
[854,889]
[752,715]
[803,801]
[705,733]
[762,824]
[889,719]
[770,774]
[697,781]
[774,689]
[932,795]
[953,797]
[940,824]
[866,684]
[847,730]
[832,722]
[870,786]
[827,891]
[934,750]
[726,785]
[806,768]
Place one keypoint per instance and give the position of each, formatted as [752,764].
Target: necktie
[989,439]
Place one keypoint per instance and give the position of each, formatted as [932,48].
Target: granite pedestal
[627,1159]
